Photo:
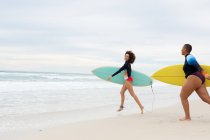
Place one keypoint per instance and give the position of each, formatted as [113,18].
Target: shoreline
[79,105]
[160,124]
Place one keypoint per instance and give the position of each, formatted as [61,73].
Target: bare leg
[122,94]
[191,84]
[130,89]
[203,93]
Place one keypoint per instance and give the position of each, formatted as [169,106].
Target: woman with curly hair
[129,59]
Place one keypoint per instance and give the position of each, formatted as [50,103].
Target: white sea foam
[36,100]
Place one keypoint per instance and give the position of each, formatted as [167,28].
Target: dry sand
[162,124]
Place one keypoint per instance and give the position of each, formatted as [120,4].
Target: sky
[80,35]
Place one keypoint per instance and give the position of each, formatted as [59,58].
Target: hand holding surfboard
[173,75]
[139,79]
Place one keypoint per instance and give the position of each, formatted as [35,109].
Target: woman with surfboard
[129,59]
[195,81]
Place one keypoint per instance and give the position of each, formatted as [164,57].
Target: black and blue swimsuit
[192,67]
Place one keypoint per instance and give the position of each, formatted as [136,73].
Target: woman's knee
[206,100]
[182,96]
[133,95]
[185,92]
[122,93]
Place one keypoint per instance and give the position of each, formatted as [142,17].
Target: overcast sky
[80,35]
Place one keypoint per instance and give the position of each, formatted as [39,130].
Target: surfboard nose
[93,71]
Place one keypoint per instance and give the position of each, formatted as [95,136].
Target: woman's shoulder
[190,56]
[191,59]
[127,63]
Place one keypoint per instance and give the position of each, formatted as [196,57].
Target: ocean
[36,100]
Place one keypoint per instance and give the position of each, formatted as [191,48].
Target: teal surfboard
[139,79]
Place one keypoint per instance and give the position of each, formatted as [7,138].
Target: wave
[30,76]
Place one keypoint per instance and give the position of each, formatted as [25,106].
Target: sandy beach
[65,64]
[160,124]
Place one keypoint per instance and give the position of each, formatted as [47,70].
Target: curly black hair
[132,56]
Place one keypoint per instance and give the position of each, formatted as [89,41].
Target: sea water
[35,100]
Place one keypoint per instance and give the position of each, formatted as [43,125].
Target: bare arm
[206,75]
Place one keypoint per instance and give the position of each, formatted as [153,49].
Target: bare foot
[185,119]
[142,110]
[120,109]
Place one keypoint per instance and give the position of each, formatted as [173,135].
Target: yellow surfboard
[174,75]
